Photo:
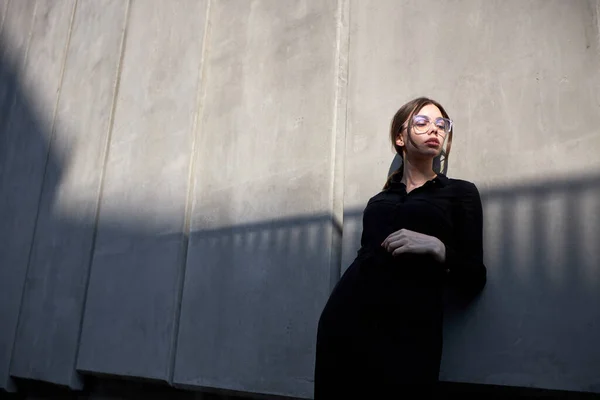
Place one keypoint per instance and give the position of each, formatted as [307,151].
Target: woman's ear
[399,140]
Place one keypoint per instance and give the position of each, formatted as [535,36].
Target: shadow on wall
[537,319]
[535,323]
[102,295]
[24,159]
[253,292]
[45,259]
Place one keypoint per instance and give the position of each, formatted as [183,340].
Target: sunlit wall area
[521,81]
[182,182]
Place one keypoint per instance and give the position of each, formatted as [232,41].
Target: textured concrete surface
[521,81]
[254,291]
[252,128]
[132,300]
[50,320]
[43,75]
[23,152]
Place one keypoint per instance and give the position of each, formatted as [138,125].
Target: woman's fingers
[403,241]
[407,241]
[393,237]
[395,244]
[400,250]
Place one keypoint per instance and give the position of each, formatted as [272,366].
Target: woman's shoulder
[463,187]
[384,195]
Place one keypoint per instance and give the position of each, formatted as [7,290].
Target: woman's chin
[431,152]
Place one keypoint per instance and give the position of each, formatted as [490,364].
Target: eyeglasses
[422,123]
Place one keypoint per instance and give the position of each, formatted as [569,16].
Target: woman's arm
[464,260]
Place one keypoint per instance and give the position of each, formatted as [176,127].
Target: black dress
[381,328]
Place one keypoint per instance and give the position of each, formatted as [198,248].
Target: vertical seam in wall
[595,8]
[597,15]
[338,146]
[345,117]
[12,106]
[53,125]
[52,130]
[48,150]
[25,56]
[598,23]
[4,16]
[116,86]
[200,101]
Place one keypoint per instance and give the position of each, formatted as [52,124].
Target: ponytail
[398,172]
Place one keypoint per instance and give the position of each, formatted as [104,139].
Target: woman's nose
[434,129]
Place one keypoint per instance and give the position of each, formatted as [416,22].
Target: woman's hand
[407,241]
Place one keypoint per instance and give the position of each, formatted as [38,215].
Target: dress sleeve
[464,260]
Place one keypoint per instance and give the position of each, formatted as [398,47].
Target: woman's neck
[417,172]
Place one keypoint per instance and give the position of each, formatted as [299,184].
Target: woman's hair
[405,114]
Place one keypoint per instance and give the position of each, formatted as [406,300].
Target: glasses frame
[444,131]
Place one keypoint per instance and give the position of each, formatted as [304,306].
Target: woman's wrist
[439,251]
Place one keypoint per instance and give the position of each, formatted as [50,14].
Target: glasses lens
[443,124]
[420,123]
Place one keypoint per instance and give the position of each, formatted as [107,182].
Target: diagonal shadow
[253,292]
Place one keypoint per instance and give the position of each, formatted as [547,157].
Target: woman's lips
[433,142]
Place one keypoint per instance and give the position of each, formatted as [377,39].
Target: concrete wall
[174,177]
[521,79]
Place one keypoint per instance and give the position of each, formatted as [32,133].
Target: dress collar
[440,180]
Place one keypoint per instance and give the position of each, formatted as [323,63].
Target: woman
[380,332]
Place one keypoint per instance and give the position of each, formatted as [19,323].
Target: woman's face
[428,143]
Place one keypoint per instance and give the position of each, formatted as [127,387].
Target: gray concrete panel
[49,326]
[536,324]
[254,290]
[41,79]
[23,151]
[133,296]
[520,80]
[16,26]
[3,9]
